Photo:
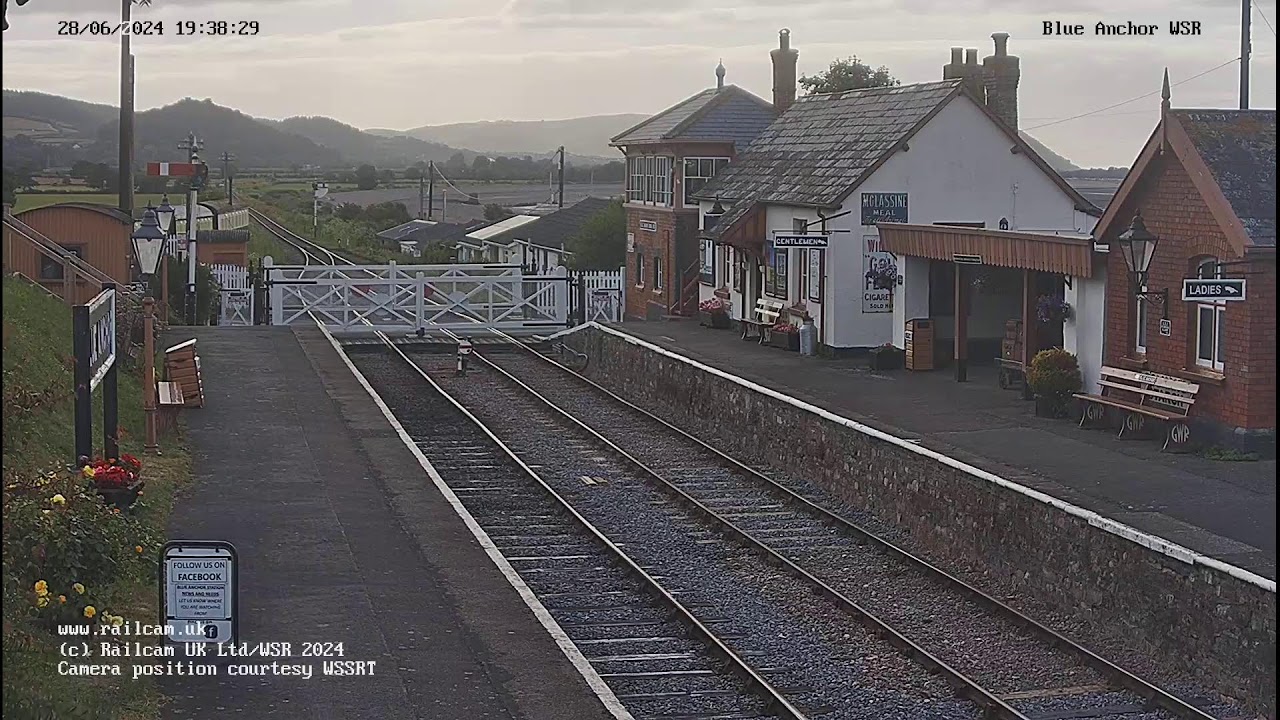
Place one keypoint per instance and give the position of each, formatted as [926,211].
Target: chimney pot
[784,72]
[784,39]
[956,55]
[970,56]
[1002,43]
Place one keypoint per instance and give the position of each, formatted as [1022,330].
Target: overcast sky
[406,63]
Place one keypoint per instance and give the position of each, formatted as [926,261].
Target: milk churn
[808,337]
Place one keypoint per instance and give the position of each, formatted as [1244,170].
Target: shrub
[1054,373]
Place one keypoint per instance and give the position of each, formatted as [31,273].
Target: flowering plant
[113,472]
[785,328]
[1052,309]
[713,305]
[883,277]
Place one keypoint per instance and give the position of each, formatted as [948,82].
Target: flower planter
[786,341]
[121,497]
[1048,406]
[717,320]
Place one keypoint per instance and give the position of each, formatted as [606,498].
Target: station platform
[1225,510]
[342,537]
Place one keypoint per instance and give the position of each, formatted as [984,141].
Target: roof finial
[720,75]
[1164,111]
[1164,91]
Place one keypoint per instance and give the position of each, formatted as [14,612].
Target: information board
[198,591]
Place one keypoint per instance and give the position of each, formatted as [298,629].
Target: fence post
[419,301]
[84,397]
[275,294]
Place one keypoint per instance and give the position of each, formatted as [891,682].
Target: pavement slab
[1225,510]
[342,537]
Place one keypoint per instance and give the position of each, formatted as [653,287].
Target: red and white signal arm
[165,169]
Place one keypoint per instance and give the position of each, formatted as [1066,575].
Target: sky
[406,63]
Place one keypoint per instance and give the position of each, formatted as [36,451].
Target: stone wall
[1219,629]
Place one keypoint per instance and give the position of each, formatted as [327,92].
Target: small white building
[472,248]
[537,243]
[930,154]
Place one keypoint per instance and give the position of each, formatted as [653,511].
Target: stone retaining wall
[1220,629]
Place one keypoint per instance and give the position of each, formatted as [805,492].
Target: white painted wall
[911,300]
[1082,333]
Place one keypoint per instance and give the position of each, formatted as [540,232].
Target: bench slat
[1142,409]
[1163,381]
[1149,393]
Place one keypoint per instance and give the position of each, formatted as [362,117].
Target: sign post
[1228,289]
[94,347]
[199,591]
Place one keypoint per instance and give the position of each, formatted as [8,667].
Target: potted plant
[886,357]
[714,313]
[1053,377]
[785,335]
[117,480]
[883,277]
[1051,309]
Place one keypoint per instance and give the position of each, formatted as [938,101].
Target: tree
[10,188]
[847,74]
[601,244]
[494,212]
[349,211]
[456,164]
[366,177]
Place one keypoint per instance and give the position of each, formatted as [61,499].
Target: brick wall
[1209,625]
[648,302]
[1229,407]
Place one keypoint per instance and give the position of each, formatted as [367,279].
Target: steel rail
[964,686]
[1123,679]
[756,683]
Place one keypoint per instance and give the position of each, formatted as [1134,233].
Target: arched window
[1210,321]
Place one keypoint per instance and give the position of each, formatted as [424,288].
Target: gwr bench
[766,314]
[1140,396]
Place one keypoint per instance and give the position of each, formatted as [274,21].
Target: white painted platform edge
[580,662]
[1114,527]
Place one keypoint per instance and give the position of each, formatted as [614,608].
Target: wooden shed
[98,234]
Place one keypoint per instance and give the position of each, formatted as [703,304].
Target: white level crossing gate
[408,298]
[235,295]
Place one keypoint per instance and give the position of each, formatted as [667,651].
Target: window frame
[776,276]
[717,162]
[707,271]
[1140,338]
[1217,309]
[58,270]
[649,180]
[639,268]
[657,274]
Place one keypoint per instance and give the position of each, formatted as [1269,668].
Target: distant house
[472,247]
[671,156]
[540,245]
[1205,186]
[414,237]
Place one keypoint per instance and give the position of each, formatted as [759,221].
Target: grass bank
[29,201]
[67,556]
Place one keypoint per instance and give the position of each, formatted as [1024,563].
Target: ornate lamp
[148,242]
[165,214]
[148,246]
[1138,246]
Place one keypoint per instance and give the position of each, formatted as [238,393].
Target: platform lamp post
[166,216]
[1138,246]
[148,245]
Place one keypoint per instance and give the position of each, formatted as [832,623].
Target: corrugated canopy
[1001,248]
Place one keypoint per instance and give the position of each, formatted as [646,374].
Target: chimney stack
[784,72]
[955,68]
[720,76]
[972,74]
[1000,76]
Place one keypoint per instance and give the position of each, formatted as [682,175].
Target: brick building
[669,157]
[1205,185]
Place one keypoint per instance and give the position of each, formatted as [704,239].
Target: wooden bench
[766,315]
[1010,374]
[1140,396]
[169,403]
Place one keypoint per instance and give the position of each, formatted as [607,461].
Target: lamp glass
[165,214]
[1138,246]
[148,242]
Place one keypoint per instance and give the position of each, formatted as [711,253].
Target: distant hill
[350,142]
[53,117]
[586,136]
[1056,161]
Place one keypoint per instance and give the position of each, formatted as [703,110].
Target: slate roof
[824,145]
[425,232]
[732,214]
[1239,147]
[730,114]
[552,229]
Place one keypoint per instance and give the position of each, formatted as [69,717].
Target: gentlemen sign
[198,591]
[1213,289]
[781,240]
[884,207]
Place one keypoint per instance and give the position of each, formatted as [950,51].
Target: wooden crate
[918,344]
[182,366]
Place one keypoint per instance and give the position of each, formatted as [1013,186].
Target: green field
[27,201]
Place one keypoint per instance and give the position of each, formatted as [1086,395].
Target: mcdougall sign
[884,207]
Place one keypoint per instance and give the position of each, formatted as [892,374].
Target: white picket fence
[605,294]
[231,277]
[236,295]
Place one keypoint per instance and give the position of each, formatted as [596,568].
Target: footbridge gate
[420,298]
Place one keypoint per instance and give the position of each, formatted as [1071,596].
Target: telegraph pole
[192,144]
[226,159]
[1246,15]
[422,200]
[318,190]
[561,177]
[431,188]
[126,115]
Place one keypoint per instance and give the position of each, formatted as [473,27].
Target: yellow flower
[87,471]
[42,588]
[58,499]
[117,621]
[62,599]
[42,601]
[78,588]
[137,549]
[90,611]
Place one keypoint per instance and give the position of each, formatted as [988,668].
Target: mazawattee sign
[884,207]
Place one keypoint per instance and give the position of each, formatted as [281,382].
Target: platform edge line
[1165,547]
[561,638]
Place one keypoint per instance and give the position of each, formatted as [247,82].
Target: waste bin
[918,344]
